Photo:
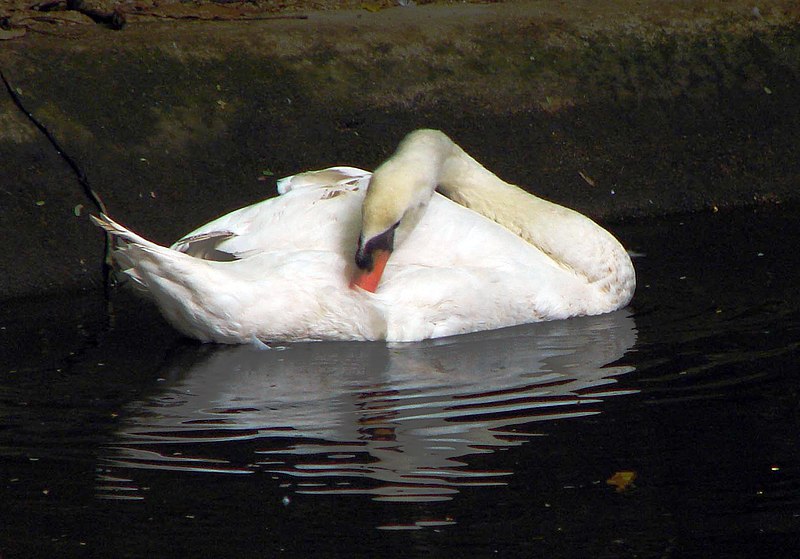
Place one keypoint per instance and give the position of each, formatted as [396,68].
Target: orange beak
[369,279]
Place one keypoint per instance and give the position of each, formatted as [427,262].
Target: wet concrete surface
[619,109]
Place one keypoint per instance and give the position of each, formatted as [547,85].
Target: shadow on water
[392,422]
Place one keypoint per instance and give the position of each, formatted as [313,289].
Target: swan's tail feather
[129,248]
[181,286]
[121,233]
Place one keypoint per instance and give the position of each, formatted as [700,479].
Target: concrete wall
[619,109]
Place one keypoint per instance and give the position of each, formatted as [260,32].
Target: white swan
[309,264]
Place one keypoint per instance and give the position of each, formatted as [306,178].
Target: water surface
[118,438]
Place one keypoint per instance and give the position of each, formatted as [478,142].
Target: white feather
[280,269]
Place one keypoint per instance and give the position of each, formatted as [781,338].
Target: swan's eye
[383,241]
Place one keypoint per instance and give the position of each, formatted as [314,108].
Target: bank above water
[619,109]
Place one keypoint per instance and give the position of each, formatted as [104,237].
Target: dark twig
[81,176]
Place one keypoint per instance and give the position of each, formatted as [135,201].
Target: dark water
[120,439]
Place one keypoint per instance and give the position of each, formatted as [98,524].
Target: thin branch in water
[83,180]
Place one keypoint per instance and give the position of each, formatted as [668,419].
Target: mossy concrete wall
[619,109]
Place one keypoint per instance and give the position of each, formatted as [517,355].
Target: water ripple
[394,422]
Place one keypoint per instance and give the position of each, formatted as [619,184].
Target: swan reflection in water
[391,421]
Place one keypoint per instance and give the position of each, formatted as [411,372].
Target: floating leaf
[77,210]
[622,480]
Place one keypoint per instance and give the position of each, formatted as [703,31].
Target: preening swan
[343,254]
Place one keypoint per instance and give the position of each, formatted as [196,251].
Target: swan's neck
[427,160]
[569,238]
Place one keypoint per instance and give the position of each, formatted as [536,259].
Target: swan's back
[459,271]
[317,210]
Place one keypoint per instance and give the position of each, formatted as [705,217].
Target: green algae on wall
[616,109]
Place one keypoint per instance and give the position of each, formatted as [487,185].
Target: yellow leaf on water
[622,480]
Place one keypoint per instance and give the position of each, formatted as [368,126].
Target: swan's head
[398,193]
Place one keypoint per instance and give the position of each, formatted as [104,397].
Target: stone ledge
[619,109]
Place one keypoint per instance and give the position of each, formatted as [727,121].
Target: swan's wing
[310,213]
[332,177]
[206,246]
